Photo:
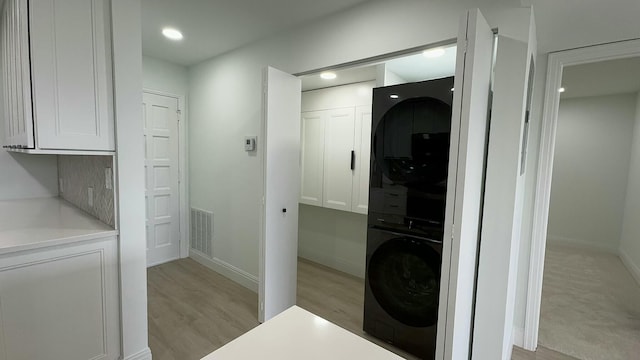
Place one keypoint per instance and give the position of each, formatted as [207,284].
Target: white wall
[225,99]
[630,241]
[337,239]
[590,169]
[164,76]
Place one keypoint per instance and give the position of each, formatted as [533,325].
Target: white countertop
[298,334]
[34,223]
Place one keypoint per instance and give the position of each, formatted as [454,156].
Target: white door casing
[555,66]
[160,116]
[465,186]
[281,165]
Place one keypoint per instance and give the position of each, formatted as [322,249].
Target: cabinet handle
[353,160]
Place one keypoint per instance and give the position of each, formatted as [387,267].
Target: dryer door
[404,276]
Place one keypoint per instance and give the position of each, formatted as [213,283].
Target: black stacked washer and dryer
[411,128]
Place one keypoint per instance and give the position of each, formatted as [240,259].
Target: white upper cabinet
[16,75]
[362,162]
[336,147]
[69,56]
[339,158]
[313,123]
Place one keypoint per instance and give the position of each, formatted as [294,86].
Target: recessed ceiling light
[172,34]
[393,96]
[561,90]
[328,75]
[433,53]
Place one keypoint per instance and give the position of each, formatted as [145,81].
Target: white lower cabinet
[336,146]
[60,303]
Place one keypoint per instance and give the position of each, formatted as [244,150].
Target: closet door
[338,167]
[362,145]
[70,48]
[313,124]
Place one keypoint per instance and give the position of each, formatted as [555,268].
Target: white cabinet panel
[313,126]
[362,164]
[60,303]
[338,148]
[70,72]
[16,75]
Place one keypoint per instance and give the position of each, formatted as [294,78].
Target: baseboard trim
[141,355]
[633,268]
[227,270]
[559,240]
[518,337]
[348,267]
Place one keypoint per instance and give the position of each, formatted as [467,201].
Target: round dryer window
[404,276]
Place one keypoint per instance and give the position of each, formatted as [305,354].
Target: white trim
[628,263]
[518,336]
[580,243]
[142,355]
[227,270]
[557,61]
[183,169]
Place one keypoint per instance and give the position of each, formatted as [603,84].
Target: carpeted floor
[590,305]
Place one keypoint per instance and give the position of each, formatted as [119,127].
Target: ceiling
[602,78]
[411,68]
[567,24]
[213,27]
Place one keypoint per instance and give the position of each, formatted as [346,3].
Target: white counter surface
[298,334]
[35,223]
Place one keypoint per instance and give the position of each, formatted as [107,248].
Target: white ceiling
[412,68]
[213,27]
[566,24]
[602,78]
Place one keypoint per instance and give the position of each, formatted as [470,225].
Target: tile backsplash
[79,173]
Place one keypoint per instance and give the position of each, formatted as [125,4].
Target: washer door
[404,277]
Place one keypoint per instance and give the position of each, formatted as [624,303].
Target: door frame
[557,61]
[183,173]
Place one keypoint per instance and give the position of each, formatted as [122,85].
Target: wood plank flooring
[193,310]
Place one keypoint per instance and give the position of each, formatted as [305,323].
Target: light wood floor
[193,310]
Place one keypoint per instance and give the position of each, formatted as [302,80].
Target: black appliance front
[402,291]
[411,129]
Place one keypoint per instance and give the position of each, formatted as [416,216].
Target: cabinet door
[16,75]
[312,131]
[60,304]
[338,147]
[362,146]
[69,48]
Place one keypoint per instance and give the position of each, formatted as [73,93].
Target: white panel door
[281,161]
[338,158]
[362,161]
[69,51]
[465,186]
[313,123]
[160,115]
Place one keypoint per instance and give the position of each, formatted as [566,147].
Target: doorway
[586,304]
[164,195]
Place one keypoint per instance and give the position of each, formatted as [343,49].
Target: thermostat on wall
[249,143]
